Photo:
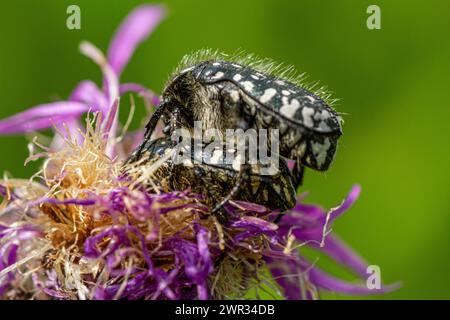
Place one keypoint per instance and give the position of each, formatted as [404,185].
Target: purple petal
[196,259]
[203,250]
[88,92]
[287,271]
[110,78]
[42,116]
[248,206]
[291,164]
[343,254]
[330,283]
[110,119]
[110,128]
[164,280]
[347,203]
[148,95]
[253,227]
[53,293]
[136,27]
[5,193]
[34,125]
[308,222]
[254,222]
[121,236]
[9,249]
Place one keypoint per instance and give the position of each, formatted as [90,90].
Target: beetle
[232,94]
[219,182]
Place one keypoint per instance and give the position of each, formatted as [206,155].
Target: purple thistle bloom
[128,250]
[84,232]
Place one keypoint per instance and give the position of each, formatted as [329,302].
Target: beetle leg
[243,173]
[150,127]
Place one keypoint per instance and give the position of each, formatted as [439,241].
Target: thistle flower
[78,229]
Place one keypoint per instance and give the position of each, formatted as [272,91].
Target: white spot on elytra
[268,94]
[289,109]
[280,82]
[248,85]
[322,115]
[285,92]
[236,65]
[323,126]
[237,77]
[255,77]
[218,75]
[307,114]
[216,64]
[320,151]
[312,99]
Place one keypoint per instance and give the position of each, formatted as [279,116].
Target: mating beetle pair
[229,95]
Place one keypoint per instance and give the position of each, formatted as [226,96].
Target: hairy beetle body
[232,94]
[226,95]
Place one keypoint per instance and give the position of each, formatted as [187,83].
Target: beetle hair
[264,65]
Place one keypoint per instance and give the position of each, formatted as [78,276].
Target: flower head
[80,230]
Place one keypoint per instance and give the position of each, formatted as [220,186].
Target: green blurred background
[393,84]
